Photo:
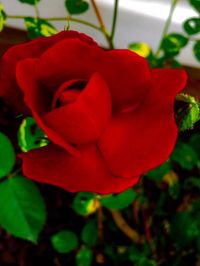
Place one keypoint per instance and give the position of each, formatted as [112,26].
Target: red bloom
[108,116]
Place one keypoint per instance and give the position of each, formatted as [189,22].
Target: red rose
[108,116]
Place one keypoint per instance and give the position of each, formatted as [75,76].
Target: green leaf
[84,257]
[22,209]
[195,4]
[140,48]
[147,262]
[89,233]
[119,201]
[196,50]
[188,114]
[85,203]
[174,190]
[7,156]
[194,142]
[140,256]
[192,26]
[158,173]
[2,17]
[64,241]
[173,43]
[195,209]
[165,61]
[39,27]
[183,228]
[185,156]
[76,6]
[30,2]
[144,50]
[195,181]
[30,136]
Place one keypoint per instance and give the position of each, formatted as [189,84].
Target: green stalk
[37,13]
[167,25]
[76,20]
[114,20]
[102,24]
[62,19]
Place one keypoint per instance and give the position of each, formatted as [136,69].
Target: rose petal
[136,142]
[65,94]
[127,75]
[9,90]
[85,119]
[37,99]
[88,172]
[67,60]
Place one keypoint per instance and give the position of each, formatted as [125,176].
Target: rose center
[67,93]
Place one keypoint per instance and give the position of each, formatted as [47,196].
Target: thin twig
[62,19]
[148,234]
[102,24]
[37,13]
[100,224]
[125,228]
[98,14]
[167,25]
[16,172]
[114,21]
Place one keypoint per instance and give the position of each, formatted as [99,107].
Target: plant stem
[149,238]
[102,25]
[100,224]
[16,172]
[125,228]
[76,20]
[114,20]
[167,25]
[98,14]
[37,13]
[15,17]
[62,19]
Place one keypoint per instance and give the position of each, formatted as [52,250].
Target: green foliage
[174,190]
[183,228]
[7,156]
[30,136]
[188,114]
[185,156]
[22,209]
[158,173]
[37,27]
[191,117]
[64,241]
[173,43]
[195,4]
[140,256]
[194,181]
[119,201]
[196,50]
[30,2]
[192,26]
[2,17]
[76,6]
[84,257]
[89,233]
[85,203]
[140,48]
[194,143]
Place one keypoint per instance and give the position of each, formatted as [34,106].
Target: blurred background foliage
[157,222]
